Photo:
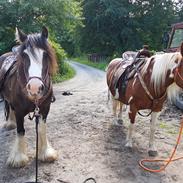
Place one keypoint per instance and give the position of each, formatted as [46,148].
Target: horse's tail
[6,110]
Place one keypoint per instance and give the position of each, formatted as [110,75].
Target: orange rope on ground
[163,160]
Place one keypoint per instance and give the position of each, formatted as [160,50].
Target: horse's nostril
[41,88]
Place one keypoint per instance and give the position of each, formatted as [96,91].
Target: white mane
[162,64]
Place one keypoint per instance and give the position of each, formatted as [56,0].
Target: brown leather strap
[143,84]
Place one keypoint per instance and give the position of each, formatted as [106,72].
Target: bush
[64,70]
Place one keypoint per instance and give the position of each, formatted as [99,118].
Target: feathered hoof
[48,155]
[152,153]
[17,160]
[9,125]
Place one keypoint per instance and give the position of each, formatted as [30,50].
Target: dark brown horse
[27,83]
[157,78]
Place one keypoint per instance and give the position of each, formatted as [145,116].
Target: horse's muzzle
[35,89]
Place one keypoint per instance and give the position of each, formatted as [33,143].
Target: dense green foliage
[113,26]
[64,70]
[61,16]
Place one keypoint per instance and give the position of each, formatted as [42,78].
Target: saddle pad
[6,66]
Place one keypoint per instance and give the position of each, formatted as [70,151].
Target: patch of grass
[99,65]
[168,129]
[172,131]
[68,73]
[163,125]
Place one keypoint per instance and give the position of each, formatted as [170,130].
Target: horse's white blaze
[18,157]
[45,151]
[152,130]
[129,135]
[35,68]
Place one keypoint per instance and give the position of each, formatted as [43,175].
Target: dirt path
[80,127]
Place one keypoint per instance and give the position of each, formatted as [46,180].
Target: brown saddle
[6,65]
[123,70]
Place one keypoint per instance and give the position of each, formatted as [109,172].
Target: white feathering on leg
[45,151]
[18,157]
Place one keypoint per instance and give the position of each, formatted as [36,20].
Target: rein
[168,161]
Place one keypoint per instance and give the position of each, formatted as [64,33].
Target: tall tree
[107,25]
[113,26]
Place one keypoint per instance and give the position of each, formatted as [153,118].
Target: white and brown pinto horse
[161,76]
[28,82]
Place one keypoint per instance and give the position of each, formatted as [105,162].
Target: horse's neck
[162,89]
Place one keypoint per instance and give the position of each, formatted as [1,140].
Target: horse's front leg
[45,151]
[18,156]
[152,150]
[120,120]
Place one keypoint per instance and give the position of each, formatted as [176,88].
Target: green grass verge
[68,73]
[99,65]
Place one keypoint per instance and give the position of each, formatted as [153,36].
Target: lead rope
[168,161]
[37,115]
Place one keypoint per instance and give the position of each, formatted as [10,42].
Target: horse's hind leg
[132,115]
[10,117]
[114,107]
[18,156]
[152,150]
[120,120]
[45,152]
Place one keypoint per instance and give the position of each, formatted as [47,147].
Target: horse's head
[36,61]
[179,70]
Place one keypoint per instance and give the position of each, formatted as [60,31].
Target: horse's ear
[181,49]
[44,32]
[20,36]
